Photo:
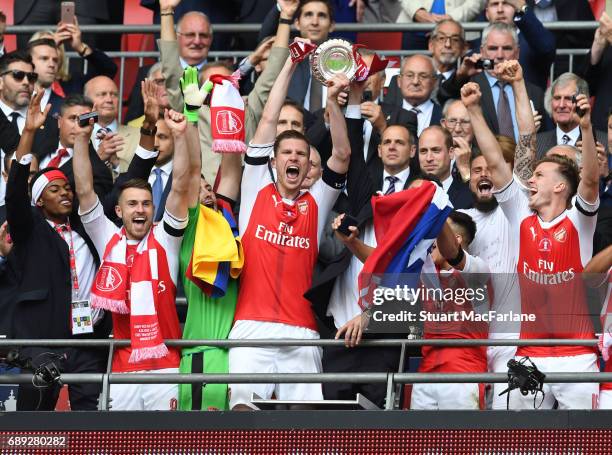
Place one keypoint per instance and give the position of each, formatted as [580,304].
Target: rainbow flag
[217,251]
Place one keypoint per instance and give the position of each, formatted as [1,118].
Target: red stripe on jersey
[280,251]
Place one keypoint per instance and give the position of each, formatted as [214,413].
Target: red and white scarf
[116,284]
[227,115]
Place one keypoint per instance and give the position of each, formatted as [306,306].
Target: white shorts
[605,399]
[497,362]
[280,359]
[581,395]
[447,396]
[145,397]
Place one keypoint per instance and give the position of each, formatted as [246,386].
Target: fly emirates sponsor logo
[283,237]
[545,274]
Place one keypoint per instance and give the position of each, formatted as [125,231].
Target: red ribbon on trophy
[299,50]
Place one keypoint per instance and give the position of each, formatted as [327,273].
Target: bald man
[417,81]
[114,143]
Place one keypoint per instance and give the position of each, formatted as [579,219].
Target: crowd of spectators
[104,222]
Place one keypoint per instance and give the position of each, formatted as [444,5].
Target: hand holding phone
[347,221]
[67,12]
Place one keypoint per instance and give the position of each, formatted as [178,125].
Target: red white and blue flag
[405,223]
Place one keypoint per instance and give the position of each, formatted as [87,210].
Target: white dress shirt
[307,97]
[45,98]
[85,266]
[424,116]
[45,161]
[574,135]
[446,183]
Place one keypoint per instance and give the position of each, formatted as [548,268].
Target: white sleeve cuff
[146,154]
[25,159]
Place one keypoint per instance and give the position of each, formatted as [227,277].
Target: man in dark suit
[500,43]
[536,42]
[563,111]
[59,154]
[56,261]
[435,149]
[46,60]
[446,44]
[16,86]
[416,83]
[334,290]
[45,12]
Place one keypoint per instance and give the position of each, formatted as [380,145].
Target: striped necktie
[392,180]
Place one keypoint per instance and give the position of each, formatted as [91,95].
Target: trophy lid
[332,57]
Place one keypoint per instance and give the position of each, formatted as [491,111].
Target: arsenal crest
[560,235]
[303,207]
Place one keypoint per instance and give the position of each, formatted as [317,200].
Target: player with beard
[554,233]
[137,279]
[493,241]
[281,226]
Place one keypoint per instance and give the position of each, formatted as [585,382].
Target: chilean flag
[405,223]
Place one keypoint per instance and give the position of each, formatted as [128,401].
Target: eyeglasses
[454,40]
[419,76]
[193,35]
[19,75]
[452,122]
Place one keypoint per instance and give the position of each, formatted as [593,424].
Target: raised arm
[524,156]
[266,129]
[588,188]
[177,201]
[501,174]
[195,163]
[341,149]
[83,173]
[169,53]
[34,120]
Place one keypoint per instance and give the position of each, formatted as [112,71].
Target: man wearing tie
[160,178]
[114,143]
[446,44]
[17,79]
[559,104]
[416,82]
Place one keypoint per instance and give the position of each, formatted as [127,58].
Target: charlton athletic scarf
[227,115]
[120,289]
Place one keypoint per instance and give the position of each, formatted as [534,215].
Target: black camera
[485,64]
[367,96]
[84,118]
[525,376]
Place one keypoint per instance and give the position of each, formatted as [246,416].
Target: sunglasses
[19,75]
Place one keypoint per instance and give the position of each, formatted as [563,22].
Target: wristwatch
[147,132]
